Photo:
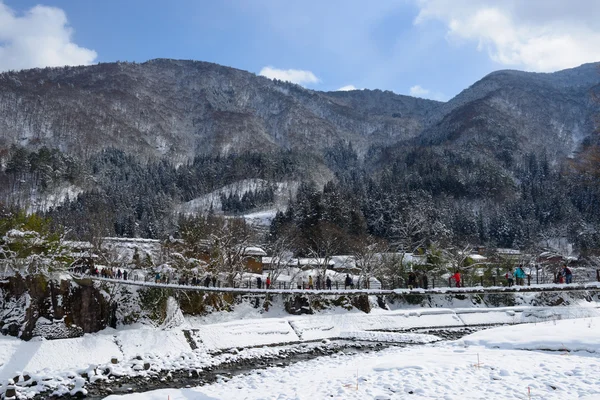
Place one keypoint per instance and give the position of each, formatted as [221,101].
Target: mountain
[179,109]
[121,148]
[520,112]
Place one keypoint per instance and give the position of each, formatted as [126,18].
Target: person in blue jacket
[520,276]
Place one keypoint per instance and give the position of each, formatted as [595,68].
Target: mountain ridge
[181,108]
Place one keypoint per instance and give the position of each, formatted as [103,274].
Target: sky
[424,48]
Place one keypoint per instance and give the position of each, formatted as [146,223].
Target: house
[253,259]
[345,264]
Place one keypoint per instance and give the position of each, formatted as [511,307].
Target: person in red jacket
[269,281]
[456,277]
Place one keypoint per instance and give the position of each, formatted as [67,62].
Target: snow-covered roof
[254,251]
[129,240]
[477,257]
[78,244]
[407,258]
[512,252]
[279,260]
[343,262]
[314,261]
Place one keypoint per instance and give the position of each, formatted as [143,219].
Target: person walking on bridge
[520,276]
[348,282]
[510,277]
[566,272]
[456,277]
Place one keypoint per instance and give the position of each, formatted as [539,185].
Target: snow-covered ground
[483,365]
[283,192]
[144,352]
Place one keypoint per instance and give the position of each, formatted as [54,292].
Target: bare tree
[409,234]
[393,268]
[229,241]
[325,245]
[281,252]
[367,252]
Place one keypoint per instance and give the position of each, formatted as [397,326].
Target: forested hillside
[116,149]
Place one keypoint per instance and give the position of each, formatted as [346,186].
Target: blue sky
[428,48]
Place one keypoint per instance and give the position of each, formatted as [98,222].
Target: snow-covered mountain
[181,108]
[178,108]
[521,112]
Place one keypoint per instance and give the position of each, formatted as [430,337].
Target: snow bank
[245,333]
[563,335]
[331,326]
[151,341]
[438,371]
[58,355]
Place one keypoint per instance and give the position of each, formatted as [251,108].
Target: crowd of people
[563,275]
[519,275]
[415,279]
[109,273]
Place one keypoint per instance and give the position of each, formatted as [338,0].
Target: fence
[433,282]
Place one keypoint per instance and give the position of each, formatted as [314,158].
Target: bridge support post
[528,279]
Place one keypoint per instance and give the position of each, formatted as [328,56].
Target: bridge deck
[447,290]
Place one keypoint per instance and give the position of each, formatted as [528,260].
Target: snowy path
[451,371]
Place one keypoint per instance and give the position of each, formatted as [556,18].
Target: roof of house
[254,251]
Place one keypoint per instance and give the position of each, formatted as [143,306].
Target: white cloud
[40,37]
[347,88]
[538,35]
[297,76]
[419,91]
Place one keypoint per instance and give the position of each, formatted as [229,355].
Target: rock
[10,393]
[146,366]
[114,360]
[298,305]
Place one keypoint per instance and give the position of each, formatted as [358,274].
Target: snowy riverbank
[481,365]
[197,343]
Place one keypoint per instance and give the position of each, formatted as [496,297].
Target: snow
[45,201]
[143,341]
[212,200]
[254,251]
[471,368]
[563,335]
[392,373]
[261,218]
[62,354]
[246,333]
